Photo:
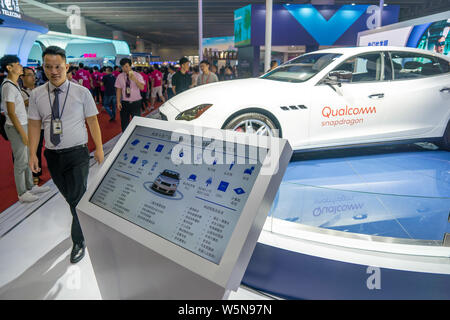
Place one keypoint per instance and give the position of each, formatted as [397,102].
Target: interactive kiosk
[176,210]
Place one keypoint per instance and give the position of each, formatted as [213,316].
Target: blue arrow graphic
[326,32]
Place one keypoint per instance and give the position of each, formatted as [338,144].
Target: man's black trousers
[129,110]
[69,169]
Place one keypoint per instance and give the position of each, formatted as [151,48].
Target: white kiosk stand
[176,210]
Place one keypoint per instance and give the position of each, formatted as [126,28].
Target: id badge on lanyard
[57,126]
[56,122]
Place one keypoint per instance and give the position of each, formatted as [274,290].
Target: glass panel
[398,192]
[364,68]
[409,65]
[302,68]
[363,213]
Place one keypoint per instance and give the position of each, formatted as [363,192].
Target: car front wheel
[253,123]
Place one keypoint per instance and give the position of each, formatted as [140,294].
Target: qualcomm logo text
[338,208]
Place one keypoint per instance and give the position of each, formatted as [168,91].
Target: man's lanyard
[25,91]
[203,78]
[51,105]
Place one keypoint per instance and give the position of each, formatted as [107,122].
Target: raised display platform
[364,223]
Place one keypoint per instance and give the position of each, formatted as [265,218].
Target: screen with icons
[194,204]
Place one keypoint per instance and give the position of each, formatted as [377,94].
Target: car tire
[445,141]
[253,122]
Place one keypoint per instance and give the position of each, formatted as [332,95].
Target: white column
[200,30]
[381,13]
[268,44]
[117,35]
[140,46]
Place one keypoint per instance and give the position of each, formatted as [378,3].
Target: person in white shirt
[28,84]
[16,127]
[206,76]
[64,108]
[169,82]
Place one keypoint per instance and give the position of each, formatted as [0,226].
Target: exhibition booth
[18,33]
[182,211]
[27,38]
[301,28]
[89,50]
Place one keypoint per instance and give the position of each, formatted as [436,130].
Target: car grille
[166,184]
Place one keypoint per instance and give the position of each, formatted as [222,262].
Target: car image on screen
[167,182]
[335,97]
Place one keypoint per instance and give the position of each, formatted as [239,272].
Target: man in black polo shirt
[109,98]
[181,81]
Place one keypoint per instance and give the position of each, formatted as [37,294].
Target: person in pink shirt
[116,71]
[102,88]
[70,74]
[144,92]
[84,77]
[96,77]
[128,92]
[156,80]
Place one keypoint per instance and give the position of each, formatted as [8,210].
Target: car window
[302,68]
[171,174]
[410,65]
[365,67]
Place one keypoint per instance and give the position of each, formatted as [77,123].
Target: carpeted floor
[7,186]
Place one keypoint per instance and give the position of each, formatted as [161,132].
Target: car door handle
[376,96]
[445,89]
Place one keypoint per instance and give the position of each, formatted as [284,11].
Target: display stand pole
[268,45]
[125,269]
[200,31]
[380,21]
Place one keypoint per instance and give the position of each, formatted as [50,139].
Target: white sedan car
[331,98]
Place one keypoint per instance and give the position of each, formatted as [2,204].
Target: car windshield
[302,68]
[171,174]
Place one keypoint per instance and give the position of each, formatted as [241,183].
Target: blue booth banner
[433,36]
[310,25]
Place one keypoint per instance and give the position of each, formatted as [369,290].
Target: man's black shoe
[77,252]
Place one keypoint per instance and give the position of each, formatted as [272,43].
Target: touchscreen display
[194,205]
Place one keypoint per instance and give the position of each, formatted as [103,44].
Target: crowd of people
[158,83]
[123,89]
[47,108]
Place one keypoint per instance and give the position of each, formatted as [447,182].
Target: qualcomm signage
[10,8]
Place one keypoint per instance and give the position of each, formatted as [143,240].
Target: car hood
[244,91]
[169,180]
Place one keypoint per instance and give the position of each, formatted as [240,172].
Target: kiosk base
[126,269]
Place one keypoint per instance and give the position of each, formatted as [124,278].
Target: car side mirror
[340,76]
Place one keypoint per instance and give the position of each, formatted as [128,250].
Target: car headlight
[193,113]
